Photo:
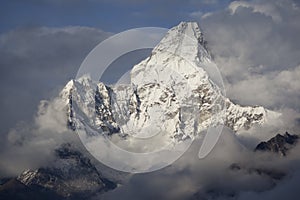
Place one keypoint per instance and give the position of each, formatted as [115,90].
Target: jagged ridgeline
[169,90]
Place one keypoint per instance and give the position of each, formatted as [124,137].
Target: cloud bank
[30,146]
[35,62]
[257,54]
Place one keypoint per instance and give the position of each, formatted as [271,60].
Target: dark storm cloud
[35,62]
[288,189]
[211,177]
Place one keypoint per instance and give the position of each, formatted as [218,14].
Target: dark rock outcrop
[279,144]
[71,176]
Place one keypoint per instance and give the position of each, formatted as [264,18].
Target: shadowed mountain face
[279,144]
[71,176]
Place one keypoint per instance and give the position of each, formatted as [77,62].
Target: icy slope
[170,93]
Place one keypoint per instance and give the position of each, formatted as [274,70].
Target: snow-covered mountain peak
[185,40]
[178,59]
[170,92]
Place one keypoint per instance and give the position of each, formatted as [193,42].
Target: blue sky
[112,16]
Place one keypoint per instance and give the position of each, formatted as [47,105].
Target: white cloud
[196,14]
[267,9]
[29,146]
[274,89]
[259,58]
[206,15]
[209,178]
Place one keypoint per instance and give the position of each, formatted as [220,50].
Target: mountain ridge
[175,72]
[71,176]
[279,144]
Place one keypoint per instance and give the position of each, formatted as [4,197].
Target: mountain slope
[71,176]
[170,92]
